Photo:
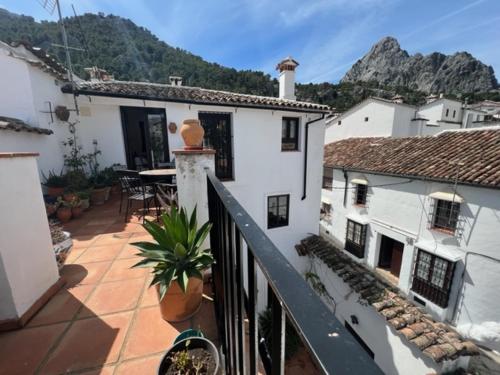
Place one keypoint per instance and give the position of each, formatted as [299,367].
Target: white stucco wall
[28,265]
[402,212]
[29,91]
[260,167]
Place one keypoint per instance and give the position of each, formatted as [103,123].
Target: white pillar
[28,268]
[191,178]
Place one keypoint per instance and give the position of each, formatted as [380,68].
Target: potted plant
[55,184]
[84,197]
[64,211]
[177,260]
[76,208]
[195,355]
[99,189]
[62,243]
[69,195]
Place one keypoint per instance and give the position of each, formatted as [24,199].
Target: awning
[451,253]
[359,181]
[450,197]
[361,219]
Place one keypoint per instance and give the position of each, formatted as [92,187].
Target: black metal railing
[240,248]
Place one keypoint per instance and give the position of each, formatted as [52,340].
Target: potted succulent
[62,243]
[69,195]
[64,211]
[195,355]
[84,197]
[177,259]
[55,184]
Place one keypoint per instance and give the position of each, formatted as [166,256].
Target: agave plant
[177,253]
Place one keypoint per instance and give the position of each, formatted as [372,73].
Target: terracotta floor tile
[22,351]
[128,251]
[81,274]
[121,270]
[149,297]
[74,254]
[113,297]
[91,230]
[112,239]
[63,306]
[83,241]
[139,238]
[101,253]
[151,334]
[89,343]
[143,366]
[108,370]
[102,221]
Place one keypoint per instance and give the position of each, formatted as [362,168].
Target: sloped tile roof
[37,57]
[8,123]
[477,152]
[435,339]
[186,94]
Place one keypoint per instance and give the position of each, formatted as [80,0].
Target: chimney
[287,78]
[175,80]
[96,74]
[398,99]
[431,98]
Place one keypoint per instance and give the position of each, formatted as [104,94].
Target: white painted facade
[261,168]
[375,117]
[28,266]
[402,210]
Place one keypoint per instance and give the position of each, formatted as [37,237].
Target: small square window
[447,112]
[277,210]
[446,215]
[361,191]
[339,122]
[454,113]
[290,134]
[366,119]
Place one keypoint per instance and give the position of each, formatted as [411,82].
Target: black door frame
[224,173]
[146,111]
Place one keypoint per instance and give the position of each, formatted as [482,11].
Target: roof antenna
[50,6]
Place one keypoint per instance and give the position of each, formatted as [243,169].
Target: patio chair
[166,197]
[136,192]
[123,190]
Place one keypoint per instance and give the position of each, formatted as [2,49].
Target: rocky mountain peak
[388,64]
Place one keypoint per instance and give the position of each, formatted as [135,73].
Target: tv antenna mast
[50,6]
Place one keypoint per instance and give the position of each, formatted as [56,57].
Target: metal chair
[136,192]
[123,190]
[166,197]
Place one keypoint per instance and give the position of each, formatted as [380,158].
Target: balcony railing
[240,248]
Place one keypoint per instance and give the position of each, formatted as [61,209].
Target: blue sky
[325,36]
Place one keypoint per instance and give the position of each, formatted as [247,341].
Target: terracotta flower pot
[64,214]
[77,212]
[192,134]
[85,203]
[176,305]
[55,191]
[98,196]
[69,197]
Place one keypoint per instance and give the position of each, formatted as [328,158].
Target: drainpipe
[305,153]
[345,189]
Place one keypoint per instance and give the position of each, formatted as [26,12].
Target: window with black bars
[277,210]
[446,215]
[432,278]
[360,194]
[290,134]
[355,238]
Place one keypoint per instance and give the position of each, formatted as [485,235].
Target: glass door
[145,137]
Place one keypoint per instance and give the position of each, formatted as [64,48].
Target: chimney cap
[175,80]
[287,63]
[98,74]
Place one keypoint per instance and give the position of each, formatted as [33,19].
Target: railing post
[278,336]
[252,313]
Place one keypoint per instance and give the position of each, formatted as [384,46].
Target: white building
[260,142]
[377,117]
[422,214]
